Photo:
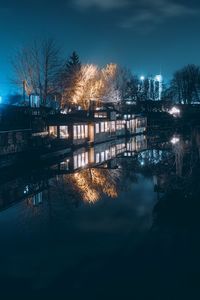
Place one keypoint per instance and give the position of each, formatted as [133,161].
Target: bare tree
[37,67]
[185,86]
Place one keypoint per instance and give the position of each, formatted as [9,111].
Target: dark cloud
[149,14]
[142,15]
[102,4]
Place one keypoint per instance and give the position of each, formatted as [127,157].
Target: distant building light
[175,140]
[159,78]
[142,163]
[26,189]
[142,78]
[174,111]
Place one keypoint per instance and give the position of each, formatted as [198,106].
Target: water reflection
[90,174]
[118,212]
[92,184]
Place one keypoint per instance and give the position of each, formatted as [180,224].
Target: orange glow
[92,184]
[93,84]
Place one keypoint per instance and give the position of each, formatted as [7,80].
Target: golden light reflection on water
[92,183]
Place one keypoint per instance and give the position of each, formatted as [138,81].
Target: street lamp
[142,78]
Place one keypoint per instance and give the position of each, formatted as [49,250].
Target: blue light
[142,163]
[0,99]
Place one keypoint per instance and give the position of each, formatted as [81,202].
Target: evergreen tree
[73,63]
[70,77]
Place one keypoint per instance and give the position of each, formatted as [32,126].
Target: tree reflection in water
[91,184]
[182,191]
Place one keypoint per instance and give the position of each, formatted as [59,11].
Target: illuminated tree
[86,87]
[98,86]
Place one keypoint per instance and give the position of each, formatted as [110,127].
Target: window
[64,132]
[53,131]
[86,131]
[113,152]
[100,115]
[81,160]
[82,132]
[112,126]
[102,127]
[102,156]
[120,125]
[79,131]
[107,154]
[97,128]
[75,162]
[106,127]
[97,158]
[75,132]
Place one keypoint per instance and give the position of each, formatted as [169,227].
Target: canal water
[116,221]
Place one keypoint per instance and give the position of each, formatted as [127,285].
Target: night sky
[145,35]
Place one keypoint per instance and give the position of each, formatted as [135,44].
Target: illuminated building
[100,126]
[152,86]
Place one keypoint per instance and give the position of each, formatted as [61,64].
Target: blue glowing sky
[145,35]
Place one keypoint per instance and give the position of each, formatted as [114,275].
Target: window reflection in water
[91,173]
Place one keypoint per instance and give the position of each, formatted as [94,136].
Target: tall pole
[24,91]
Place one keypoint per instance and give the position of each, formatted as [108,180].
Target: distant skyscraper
[155,88]
[158,87]
[151,87]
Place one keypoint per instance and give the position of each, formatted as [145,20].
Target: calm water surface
[118,221]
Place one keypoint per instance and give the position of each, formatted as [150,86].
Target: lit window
[100,115]
[83,162]
[106,126]
[82,132]
[97,158]
[102,126]
[97,128]
[75,162]
[53,131]
[107,154]
[102,156]
[64,132]
[75,132]
[112,126]
[79,131]
[86,131]
[79,161]
[86,158]
[113,151]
